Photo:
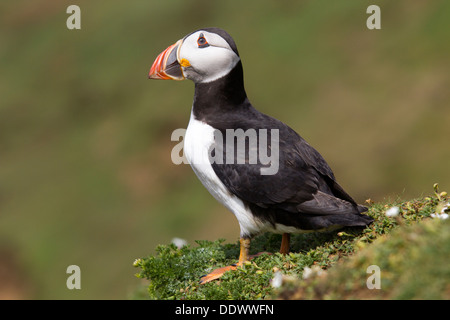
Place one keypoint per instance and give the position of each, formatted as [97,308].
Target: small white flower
[179,243]
[392,212]
[137,262]
[277,280]
[308,272]
[441,211]
[445,208]
[442,216]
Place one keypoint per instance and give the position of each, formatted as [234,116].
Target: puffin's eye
[201,41]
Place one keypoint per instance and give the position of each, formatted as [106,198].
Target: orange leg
[243,257]
[285,243]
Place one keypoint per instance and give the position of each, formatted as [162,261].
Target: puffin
[293,190]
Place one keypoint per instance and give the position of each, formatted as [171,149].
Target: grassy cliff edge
[408,244]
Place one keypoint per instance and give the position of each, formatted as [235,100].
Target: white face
[206,56]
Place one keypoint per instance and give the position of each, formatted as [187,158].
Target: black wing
[304,183]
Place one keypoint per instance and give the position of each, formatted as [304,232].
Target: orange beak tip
[166,65]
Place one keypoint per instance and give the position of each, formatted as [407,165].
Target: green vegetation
[413,258]
[413,262]
[85,171]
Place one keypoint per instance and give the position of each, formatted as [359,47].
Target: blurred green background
[86,176]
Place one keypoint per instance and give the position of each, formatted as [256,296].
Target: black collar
[222,96]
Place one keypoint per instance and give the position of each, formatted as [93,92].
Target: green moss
[413,263]
[413,259]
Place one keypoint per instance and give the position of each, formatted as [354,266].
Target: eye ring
[201,41]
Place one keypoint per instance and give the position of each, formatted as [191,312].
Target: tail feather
[326,204]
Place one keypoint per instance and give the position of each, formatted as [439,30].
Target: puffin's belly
[197,143]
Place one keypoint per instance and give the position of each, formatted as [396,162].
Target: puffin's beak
[166,65]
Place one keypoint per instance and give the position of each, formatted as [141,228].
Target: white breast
[197,143]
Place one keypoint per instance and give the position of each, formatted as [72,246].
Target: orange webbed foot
[216,274]
[243,257]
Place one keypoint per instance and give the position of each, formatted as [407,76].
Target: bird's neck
[226,94]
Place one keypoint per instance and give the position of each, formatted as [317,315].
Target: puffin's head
[202,56]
